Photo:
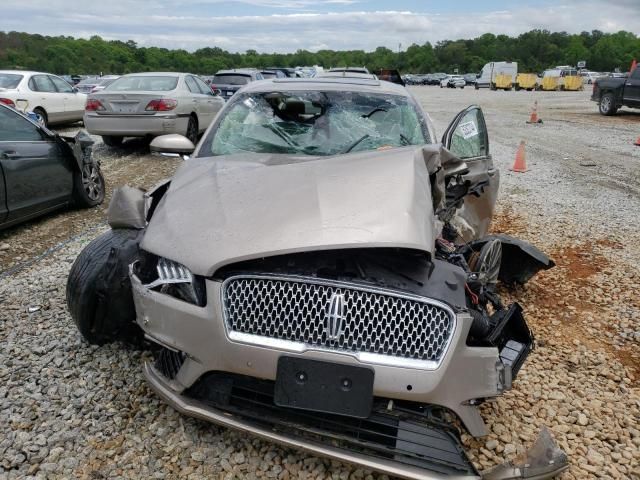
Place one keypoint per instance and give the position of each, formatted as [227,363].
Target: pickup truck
[613,93]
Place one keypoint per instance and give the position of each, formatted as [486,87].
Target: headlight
[170,272]
[171,278]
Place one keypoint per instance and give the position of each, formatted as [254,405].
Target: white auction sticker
[468,130]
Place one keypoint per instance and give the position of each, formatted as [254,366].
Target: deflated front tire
[99,296]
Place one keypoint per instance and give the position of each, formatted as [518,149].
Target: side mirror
[215,92]
[173,145]
[74,89]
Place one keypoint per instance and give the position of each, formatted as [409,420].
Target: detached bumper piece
[401,443]
[544,460]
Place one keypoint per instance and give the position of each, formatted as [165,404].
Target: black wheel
[192,130]
[493,86]
[99,296]
[518,88]
[112,141]
[41,116]
[608,104]
[477,87]
[88,186]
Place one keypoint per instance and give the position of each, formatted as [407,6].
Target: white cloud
[173,24]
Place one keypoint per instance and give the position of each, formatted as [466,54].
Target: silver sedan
[151,104]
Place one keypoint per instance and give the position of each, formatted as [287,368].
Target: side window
[259,76]
[61,85]
[636,74]
[469,139]
[191,84]
[204,88]
[15,128]
[41,83]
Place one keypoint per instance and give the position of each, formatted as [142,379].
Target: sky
[288,25]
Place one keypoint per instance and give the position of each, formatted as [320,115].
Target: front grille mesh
[374,322]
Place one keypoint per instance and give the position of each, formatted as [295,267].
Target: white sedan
[52,99]
[453,81]
[589,77]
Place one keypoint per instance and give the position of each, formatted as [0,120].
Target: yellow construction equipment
[503,81]
[526,81]
[573,83]
[550,83]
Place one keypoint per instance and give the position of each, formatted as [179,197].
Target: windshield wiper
[355,144]
[404,139]
[375,110]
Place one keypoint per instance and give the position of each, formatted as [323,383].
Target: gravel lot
[69,410]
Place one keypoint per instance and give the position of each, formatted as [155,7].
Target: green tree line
[534,51]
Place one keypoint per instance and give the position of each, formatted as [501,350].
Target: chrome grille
[377,322]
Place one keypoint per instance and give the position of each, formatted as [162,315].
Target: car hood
[221,210]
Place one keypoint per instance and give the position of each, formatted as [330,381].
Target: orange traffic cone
[534,114]
[520,164]
[637,142]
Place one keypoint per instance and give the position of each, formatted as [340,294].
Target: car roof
[152,74]
[344,74]
[26,72]
[241,71]
[326,83]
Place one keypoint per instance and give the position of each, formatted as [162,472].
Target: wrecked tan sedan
[318,273]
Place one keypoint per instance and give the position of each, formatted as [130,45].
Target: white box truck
[496,75]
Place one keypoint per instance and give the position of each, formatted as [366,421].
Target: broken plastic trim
[169,278]
[544,460]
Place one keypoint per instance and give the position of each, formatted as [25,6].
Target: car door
[632,89]
[47,97]
[467,138]
[213,102]
[73,101]
[199,102]
[37,174]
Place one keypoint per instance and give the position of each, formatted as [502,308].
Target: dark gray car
[41,171]
[230,81]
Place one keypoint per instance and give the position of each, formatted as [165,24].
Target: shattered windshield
[316,123]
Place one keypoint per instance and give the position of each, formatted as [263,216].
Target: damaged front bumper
[402,442]
[391,444]
[465,376]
